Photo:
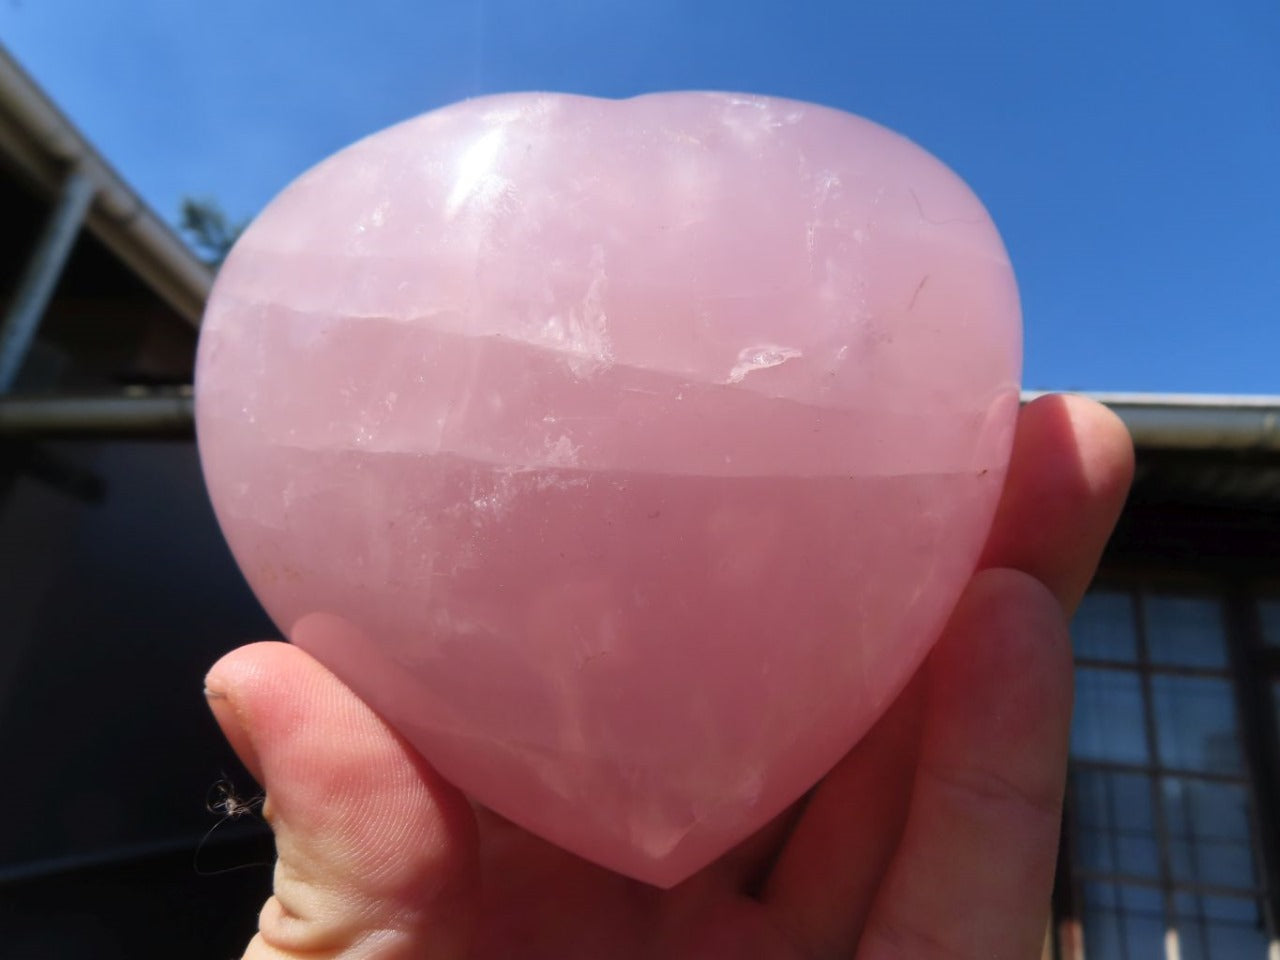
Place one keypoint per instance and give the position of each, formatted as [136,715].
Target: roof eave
[45,145]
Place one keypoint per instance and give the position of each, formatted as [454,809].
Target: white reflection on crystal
[760,358]
[474,167]
[562,453]
[757,120]
[582,333]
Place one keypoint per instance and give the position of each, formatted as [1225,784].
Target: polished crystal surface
[628,456]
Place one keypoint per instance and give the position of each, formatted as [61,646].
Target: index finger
[1069,472]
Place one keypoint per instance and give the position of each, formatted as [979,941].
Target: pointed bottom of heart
[657,820]
[712,771]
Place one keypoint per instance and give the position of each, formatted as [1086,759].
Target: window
[1163,850]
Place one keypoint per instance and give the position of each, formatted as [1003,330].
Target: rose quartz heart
[627,456]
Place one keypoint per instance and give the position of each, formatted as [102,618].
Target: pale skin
[935,837]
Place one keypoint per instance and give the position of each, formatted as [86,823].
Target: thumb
[376,853]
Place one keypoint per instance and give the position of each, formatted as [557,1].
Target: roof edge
[51,146]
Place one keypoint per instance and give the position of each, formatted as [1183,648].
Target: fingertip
[246,667]
[1069,474]
[1102,442]
[227,685]
[371,841]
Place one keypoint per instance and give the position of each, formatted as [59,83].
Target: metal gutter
[1176,422]
[131,415]
[1203,423]
[43,143]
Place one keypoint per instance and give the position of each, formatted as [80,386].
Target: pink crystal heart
[626,456]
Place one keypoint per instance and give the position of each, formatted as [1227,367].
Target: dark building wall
[116,593]
[114,602]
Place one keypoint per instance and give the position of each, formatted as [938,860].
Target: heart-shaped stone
[626,456]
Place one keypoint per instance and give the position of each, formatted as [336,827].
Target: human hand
[934,837]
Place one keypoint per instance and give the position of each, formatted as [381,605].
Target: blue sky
[1129,151]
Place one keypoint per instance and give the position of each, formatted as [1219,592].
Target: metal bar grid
[1153,751]
[1143,834]
[1160,770]
[1260,761]
[1256,671]
[1155,883]
[1163,669]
